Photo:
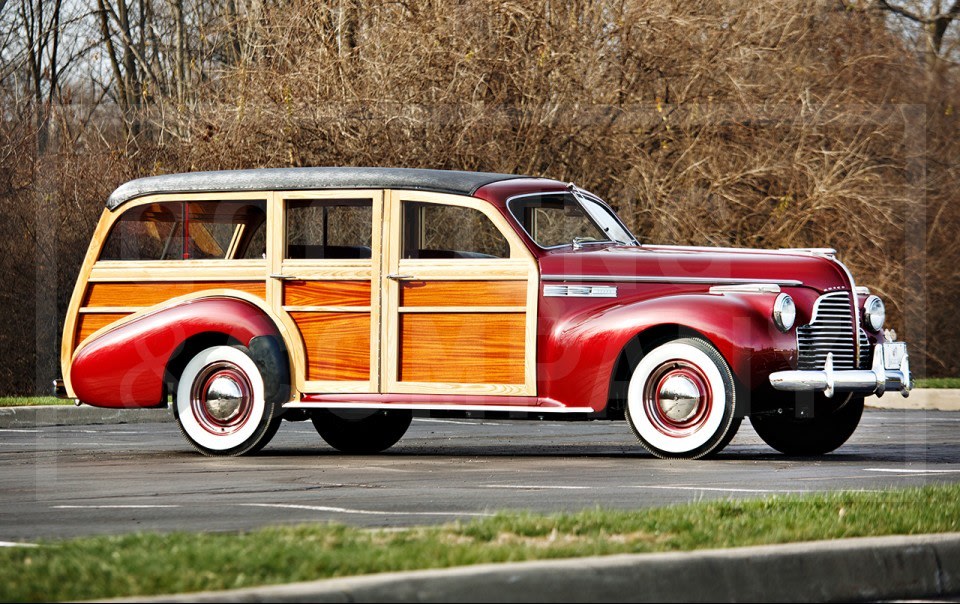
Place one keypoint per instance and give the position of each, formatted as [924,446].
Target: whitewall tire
[681,400]
[220,403]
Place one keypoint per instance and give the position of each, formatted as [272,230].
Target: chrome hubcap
[679,398]
[223,398]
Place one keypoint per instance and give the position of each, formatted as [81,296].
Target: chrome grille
[865,357]
[831,331]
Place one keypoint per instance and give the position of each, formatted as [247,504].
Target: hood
[712,266]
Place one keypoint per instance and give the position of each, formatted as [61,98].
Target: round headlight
[784,312]
[873,313]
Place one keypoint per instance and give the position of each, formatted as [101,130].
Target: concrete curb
[70,415]
[873,568]
[938,399]
[931,399]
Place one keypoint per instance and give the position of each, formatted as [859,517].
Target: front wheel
[831,425]
[361,431]
[681,400]
[220,403]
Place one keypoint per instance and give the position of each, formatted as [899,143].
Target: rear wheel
[360,430]
[220,403]
[681,400]
[833,422]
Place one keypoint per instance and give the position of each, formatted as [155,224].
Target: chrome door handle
[281,277]
[399,277]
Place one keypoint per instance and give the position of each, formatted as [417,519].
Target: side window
[226,229]
[189,231]
[442,231]
[329,229]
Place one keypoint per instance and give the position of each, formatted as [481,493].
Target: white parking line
[110,507]
[641,486]
[910,471]
[453,421]
[16,544]
[536,486]
[324,508]
[16,430]
[718,489]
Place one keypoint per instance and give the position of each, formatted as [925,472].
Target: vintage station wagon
[356,297]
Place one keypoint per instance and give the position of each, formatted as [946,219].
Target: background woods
[711,122]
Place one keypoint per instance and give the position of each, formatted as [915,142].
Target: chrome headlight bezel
[874,313]
[784,312]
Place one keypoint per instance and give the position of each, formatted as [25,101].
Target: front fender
[581,352]
[125,366]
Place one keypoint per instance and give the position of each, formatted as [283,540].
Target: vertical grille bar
[865,352]
[832,330]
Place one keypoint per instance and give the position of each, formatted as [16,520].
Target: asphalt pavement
[63,481]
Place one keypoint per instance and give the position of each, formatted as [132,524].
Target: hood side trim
[668,279]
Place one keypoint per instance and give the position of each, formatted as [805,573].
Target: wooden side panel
[89,323]
[337,344]
[147,294]
[472,348]
[463,293]
[326,293]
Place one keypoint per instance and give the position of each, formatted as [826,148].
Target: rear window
[201,230]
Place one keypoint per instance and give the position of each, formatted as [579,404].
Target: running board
[437,407]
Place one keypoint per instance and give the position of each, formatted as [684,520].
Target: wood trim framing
[178,270]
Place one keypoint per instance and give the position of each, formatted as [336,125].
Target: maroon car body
[683,342]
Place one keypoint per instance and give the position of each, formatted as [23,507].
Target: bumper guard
[890,371]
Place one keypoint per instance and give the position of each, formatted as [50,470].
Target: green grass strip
[143,564]
[938,383]
[30,401]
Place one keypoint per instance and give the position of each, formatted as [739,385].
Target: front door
[459,299]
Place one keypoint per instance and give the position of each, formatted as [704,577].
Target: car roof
[293,179]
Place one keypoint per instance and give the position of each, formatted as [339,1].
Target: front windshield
[555,219]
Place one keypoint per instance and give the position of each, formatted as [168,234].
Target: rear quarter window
[200,230]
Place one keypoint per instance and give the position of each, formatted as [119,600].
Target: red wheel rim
[673,414]
[221,398]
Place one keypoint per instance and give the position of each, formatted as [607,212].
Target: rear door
[326,263]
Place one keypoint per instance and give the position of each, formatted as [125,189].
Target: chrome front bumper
[890,370]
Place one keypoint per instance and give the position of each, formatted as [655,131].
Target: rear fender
[125,366]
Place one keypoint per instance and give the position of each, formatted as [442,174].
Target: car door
[326,262]
[459,299]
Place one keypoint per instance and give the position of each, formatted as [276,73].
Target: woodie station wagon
[355,297]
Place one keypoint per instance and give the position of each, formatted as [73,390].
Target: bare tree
[934,19]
